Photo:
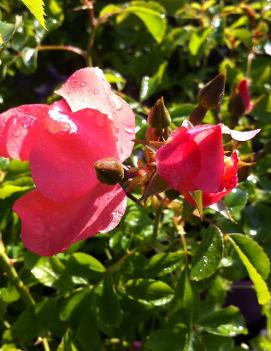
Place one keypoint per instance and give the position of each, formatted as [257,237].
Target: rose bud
[109,171]
[159,116]
[240,102]
[193,160]
[209,97]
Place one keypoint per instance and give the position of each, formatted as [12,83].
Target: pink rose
[193,159]
[62,141]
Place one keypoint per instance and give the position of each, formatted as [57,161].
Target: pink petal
[230,180]
[178,161]
[238,135]
[19,129]
[88,88]
[50,227]
[61,106]
[62,160]
[209,141]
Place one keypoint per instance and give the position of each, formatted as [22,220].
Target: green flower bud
[159,116]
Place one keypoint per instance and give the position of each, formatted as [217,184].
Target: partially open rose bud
[109,171]
[159,116]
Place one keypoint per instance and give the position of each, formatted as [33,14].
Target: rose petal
[88,88]
[238,135]
[19,129]
[50,227]
[62,160]
[230,180]
[209,141]
[178,161]
[61,106]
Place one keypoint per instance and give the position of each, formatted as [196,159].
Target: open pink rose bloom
[193,159]
[61,142]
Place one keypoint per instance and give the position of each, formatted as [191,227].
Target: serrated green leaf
[209,254]
[225,322]
[255,260]
[36,7]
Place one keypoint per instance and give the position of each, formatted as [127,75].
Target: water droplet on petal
[117,102]
[82,84]
[95,91]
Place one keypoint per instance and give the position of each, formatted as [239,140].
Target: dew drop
[95,91]
[117,102]
[129,130]
[83,84]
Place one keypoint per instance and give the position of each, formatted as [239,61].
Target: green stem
[156,224]
[14,278]
[93,25]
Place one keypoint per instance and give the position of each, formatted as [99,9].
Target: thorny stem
[14,278]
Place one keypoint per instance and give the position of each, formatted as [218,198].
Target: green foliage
[173,292]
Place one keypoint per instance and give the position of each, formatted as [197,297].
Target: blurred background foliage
[140,288]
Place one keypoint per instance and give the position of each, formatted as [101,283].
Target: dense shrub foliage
[170,277]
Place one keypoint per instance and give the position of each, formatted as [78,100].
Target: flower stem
[156,223]
[14,278]
[69,48]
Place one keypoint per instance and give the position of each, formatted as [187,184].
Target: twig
[69,48]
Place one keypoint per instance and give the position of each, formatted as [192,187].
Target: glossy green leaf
[36,7]
[149,291]
[197,40]
[51,272]
[152,15]
[256,263]
[72,304]
[209,254]
[225,322]
[6,31]
[149,85]
[85,266]
[110,312]
[162,264]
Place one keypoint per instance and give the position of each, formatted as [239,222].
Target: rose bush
[62,141]
[193,159]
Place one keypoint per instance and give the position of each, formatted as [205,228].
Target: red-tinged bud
[210,96]
[109,171]
[240,102]
[159,116]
